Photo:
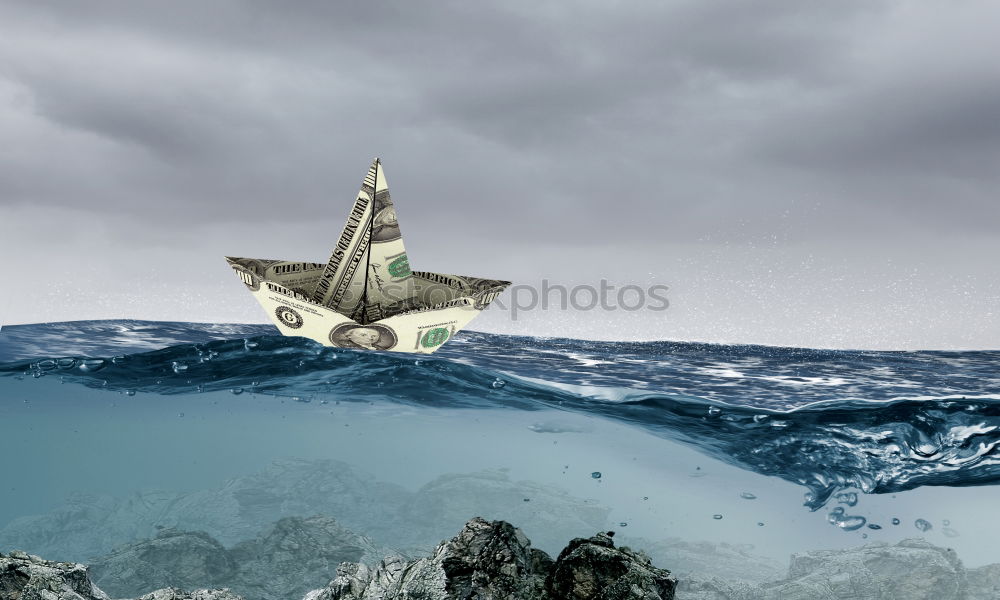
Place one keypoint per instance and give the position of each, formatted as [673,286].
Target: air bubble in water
[895,521]
[236,391]
[91,364]
[748,496]
[717,517]
[498,383]
[179,367]
[759,418]
[249,345]
[845,521]
[45,365]
[949,532]
[119,359]
[714,411]
[874,526]
[623,524]
[923,525]
[848,498]
[180,415]
[946,522]
[130,392]
[760,523]
[66,363]
[596,474]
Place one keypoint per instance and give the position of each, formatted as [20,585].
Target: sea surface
[109,429]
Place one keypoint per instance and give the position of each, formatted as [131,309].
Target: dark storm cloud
[548,121]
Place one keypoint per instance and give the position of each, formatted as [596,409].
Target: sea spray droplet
[717,517]
[848,498]
[179,367]
[236,391]
[498,383]
[748,496]
[596,474]
[923,525]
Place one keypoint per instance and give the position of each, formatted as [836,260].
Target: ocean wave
[828,420]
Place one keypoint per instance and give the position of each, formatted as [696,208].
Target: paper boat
[366,296]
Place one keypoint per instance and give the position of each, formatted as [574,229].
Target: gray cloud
[542,126]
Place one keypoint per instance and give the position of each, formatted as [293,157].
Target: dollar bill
[368,274]
[366,296]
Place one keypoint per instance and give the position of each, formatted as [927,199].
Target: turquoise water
[674,446]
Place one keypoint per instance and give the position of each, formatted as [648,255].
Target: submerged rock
[288,559]
[913,569]
[495,560]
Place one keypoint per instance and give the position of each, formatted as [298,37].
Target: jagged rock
[27,577]
[495,560]
[594,569]
[913,569]
[291,557]
[176,594]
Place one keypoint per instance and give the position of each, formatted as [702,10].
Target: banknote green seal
[434,337]
[400,267]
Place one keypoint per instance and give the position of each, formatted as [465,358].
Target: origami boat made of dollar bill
[366,296]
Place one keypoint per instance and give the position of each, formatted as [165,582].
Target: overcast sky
[804,173]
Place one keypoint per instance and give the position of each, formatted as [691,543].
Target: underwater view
[206,455]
